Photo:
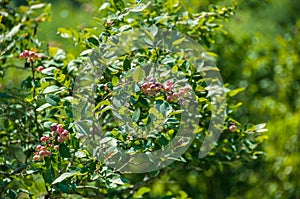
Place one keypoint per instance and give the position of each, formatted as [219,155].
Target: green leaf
[136,115]
[13,31]
[39,182]
[102,103]
[124,28]
[178,41]
[49,174]
[115,80]
[82,128]
[64,151]
[52,99]
[64,176]
[43,107]
[141,192]
[140,7]
[175,112]
[126,64]
[37,6]
[235,91]
[86,52]
[49,70]
[93,41]
[163,141]
[60,55]
[51,89]
[139,74]
[119,4]
[174,69]
[64,32]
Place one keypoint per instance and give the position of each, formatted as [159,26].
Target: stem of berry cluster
[34,94]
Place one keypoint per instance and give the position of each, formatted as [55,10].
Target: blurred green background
[259,51]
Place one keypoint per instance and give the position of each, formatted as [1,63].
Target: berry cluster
[50,142]
[152,88]
[30,56]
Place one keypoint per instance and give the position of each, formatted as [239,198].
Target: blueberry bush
[46,120]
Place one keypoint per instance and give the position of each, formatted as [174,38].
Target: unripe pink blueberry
[232,128]
[169,98]
[43,139]
[65,133]
[40,68]
[50,145]
[53,127]
[47,153]
[169,83]
[43,152]
[167,88]
[39,147]
[175,94]
[152,86]
[36,158]
[56,147]
[32,53]
[60,139]
[59,128]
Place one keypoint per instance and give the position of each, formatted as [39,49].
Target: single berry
[40,68]
[39,147]
[47,153]
[232,128]
[65,133]
[59,128]
[43,139]
[169,98]
[36,158]
[56,147]
[53,127]
[60,139]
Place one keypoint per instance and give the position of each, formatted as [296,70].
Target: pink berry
[31,53]
[175,94]
[65,133]
[43,139]
[38,147]
[60,139]
[41,153]
[47,153]
[40,68]
[56,147]
[169,98]
[232,128]
[59,129]
[167,88]
[36,158]
[152,86]
[53,127]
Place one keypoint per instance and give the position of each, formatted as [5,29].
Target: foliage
[263,46]
[40,121]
